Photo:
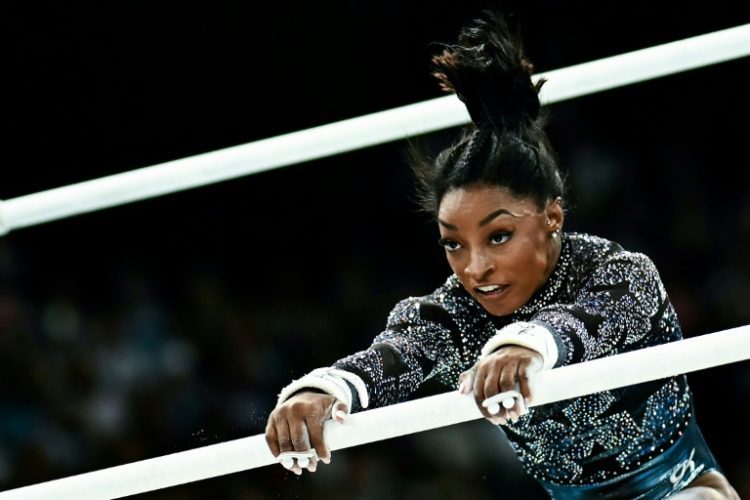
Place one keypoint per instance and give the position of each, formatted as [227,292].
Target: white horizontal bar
[360,132]
[572,381]
[646,64]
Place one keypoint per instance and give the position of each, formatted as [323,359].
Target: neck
[555,248]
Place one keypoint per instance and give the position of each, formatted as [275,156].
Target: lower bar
[572,381]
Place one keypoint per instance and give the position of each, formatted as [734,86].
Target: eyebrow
[482,222]
[495,214]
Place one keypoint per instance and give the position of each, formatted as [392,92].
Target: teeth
[489,288]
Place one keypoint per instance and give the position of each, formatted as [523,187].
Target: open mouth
[489,290]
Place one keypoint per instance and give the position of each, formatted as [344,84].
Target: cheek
[528,265]
[455,264]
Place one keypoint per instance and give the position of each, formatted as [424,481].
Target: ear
[555,215]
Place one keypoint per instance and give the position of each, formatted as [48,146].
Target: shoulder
[588,247]
[608,262]
[597,250]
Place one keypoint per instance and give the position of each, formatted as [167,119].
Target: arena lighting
[580,379]
[360,132]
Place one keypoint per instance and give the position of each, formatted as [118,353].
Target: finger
[478,386]
[315,427]
[507,379]
[522,409]
[282,432]
[531,367]
[491,382]
[466,382]
[516,406]
[501,418]
[301,442]
[339,412]
[508,383]
[507,404]
[299,436]
[512,406]
[272,439]
[489,389]
[523,381]
[285,445]
[513,414]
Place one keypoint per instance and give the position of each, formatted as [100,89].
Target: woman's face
[500,247]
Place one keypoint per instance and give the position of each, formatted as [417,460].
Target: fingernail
[326,460]
[502,420]
[339,415]
[297,470]
[312,468]
[527,400]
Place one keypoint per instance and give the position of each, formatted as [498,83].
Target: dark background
[172,323]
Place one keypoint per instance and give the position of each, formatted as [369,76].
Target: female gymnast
[524,296]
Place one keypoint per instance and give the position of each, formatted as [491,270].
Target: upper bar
[360,132]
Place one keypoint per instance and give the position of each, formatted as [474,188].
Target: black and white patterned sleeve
[415,345]
[617,308]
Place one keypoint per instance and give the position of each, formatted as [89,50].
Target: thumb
[466,382]
[339,411]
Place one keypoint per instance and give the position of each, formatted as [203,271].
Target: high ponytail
[506,144]
[489,73]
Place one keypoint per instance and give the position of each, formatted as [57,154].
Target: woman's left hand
[506,369]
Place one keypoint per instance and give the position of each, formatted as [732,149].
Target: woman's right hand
[297,425]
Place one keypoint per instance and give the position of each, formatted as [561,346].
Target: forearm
[389,374]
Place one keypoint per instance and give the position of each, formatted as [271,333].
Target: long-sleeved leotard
[600,300]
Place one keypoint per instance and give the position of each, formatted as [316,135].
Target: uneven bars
[571,381]
[360,132]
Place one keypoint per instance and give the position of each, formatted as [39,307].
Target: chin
[500,311]
[496,309]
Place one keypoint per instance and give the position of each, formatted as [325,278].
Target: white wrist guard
[331,381]
[528,335]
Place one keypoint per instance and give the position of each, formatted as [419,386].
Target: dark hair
[506,144]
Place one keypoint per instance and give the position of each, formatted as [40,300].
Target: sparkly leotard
[600,300]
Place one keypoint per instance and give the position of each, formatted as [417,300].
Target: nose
[479,267]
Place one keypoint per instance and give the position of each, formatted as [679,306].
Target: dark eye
[499,238]
[449,245]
